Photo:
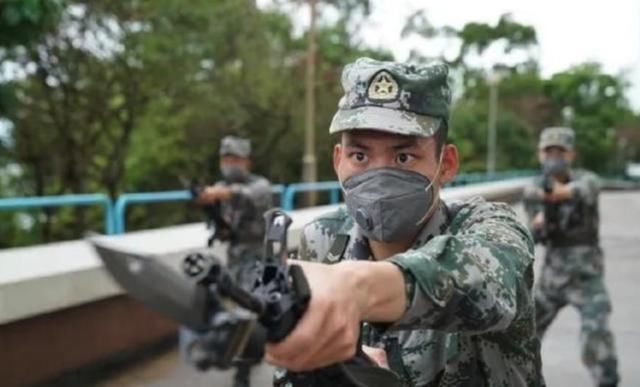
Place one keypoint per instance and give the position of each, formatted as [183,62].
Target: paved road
[560,350]
[620,235]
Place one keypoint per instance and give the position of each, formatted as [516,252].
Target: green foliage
[23,21]
[599,108]
[480,36]
[473,38]
[528,103]
[516,143]
[143,107]
[131,96]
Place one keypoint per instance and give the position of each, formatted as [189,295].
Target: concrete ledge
[45,278]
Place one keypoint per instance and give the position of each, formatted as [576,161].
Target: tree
[22,23]
[474,39]
[599,108]
[135,95]
[527,102]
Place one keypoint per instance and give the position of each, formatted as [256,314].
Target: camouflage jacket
[578,218]
[469,274]
[244,212]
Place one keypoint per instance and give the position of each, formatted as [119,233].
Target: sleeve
[319,239]
[185,338]
[256,193]
[305,253]
[532,202]
[471,280]
[315,242]
[586,188]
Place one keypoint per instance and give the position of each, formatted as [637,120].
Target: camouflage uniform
[250,200]
[251,197]
[469,275]
[469,272]
[573,269]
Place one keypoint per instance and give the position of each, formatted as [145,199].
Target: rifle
[222,230]
[234,324]
[556,218]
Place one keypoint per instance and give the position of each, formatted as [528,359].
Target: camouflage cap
[393,97]
[557,136]
[237,146]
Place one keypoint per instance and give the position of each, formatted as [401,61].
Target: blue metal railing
[103,200]
[288,197]
[482,177]
[115,215]
[124,200]
[143,197]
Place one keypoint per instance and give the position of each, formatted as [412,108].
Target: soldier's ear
[571,155]
[337,156]
[450,163]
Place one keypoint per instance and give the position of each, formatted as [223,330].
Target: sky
[569,32]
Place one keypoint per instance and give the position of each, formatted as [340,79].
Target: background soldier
[563,210]
[446,289]
[243,198]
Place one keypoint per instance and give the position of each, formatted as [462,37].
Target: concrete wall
[41,347]
[59,309]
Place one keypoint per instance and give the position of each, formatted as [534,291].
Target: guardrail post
[109,220]
[286,201]
[288,198]
[335,196]
[119,213]
[143,197]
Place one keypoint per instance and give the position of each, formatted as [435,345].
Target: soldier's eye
[403,158]
[359,156]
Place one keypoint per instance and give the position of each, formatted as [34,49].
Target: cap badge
[383,87]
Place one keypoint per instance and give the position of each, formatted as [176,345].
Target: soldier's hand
[328,331]
[378,355]
[560,193]
[538,221]
[212,194]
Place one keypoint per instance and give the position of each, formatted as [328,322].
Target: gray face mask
[389,204]
[234,174]
[555,166]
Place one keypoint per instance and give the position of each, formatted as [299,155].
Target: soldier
[445,288]
[564,214]
[244,198]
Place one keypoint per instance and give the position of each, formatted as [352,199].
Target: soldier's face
[556,152]
[243,163]
[362,150]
